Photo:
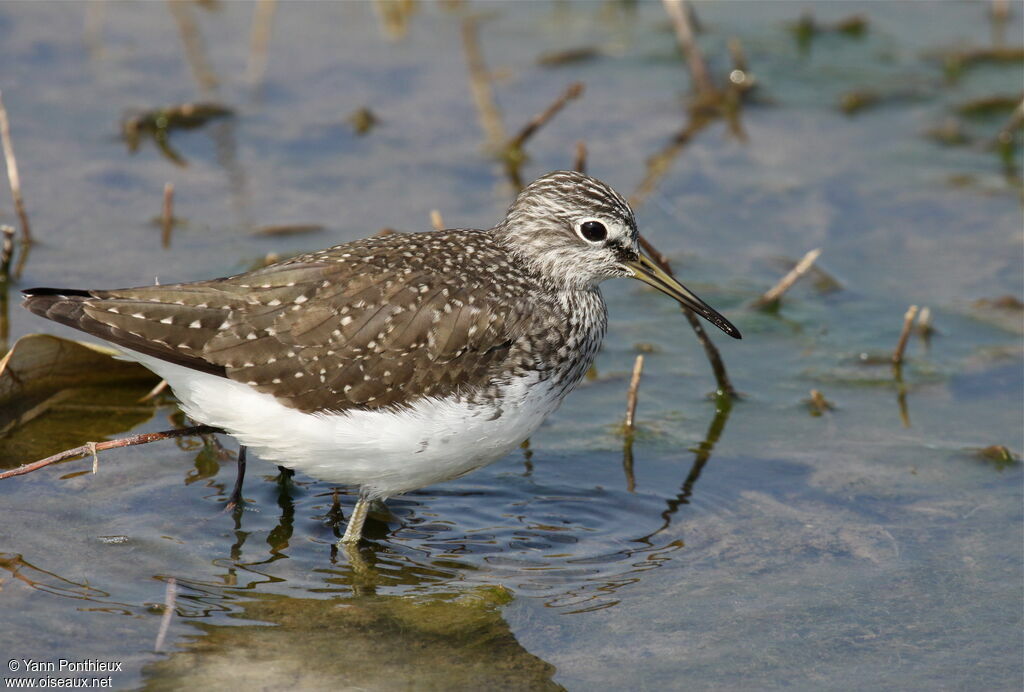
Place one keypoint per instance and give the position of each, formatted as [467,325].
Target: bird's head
[576,232]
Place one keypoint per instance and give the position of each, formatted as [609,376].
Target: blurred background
[840,522]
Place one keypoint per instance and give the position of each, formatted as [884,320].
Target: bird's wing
[317,337]
[316,332]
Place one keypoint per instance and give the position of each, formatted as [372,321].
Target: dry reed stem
[924,323]
[436,220]
[1001,9]
[710,350]
[775,293]
[660,163]
[901,344]
[679,13]
[195,52]
[654,253]
[1000,15]
[93,447]
[580,163]
[12,174]
[259,38]
[167,215]
[819,404]
[631,396]
[165,621]
[573,91]
[480,86]
[152,394]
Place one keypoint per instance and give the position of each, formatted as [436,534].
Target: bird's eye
[594,231]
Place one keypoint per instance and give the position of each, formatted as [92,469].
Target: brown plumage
[369,324]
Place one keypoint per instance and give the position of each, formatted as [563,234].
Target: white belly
[384,453]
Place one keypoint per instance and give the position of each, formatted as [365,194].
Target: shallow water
[751,546]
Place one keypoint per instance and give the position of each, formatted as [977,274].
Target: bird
[396,361]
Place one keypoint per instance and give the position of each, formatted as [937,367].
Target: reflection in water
[49,582]
[447,640]
[627,464]
[223,135]
[901,395]
[723,407]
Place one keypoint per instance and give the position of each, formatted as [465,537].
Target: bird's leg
[354,530]
[236,495]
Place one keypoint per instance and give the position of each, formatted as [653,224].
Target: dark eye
[594,231]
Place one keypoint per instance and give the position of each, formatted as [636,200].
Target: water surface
[745,546]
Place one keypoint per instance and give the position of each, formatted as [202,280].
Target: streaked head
[577,231]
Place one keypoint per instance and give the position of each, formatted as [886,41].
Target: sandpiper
[393,362]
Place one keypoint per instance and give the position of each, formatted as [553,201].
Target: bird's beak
[646,270]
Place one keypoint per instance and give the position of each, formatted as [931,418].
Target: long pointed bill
[651,274]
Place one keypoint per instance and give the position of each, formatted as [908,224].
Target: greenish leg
[354,530]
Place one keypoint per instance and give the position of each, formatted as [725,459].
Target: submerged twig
[771,297]
[901,344]
[714,357]
[901,398]
[436,220]
[627,464]
[362,121]
[165,620]
[631,396]
[12,175]
[569,56]
[806,29]
[93,447]
[167,215]
[283,229]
